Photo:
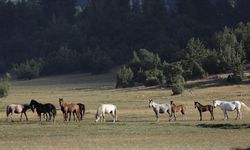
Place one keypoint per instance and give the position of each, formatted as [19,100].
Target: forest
[44,37]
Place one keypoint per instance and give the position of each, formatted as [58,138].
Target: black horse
[47,108]
[82,109]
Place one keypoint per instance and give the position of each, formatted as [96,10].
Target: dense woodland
[46,37]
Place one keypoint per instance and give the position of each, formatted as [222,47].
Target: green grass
[136,127]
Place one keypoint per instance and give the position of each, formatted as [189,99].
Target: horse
[175,109]
[201,108]
[82,109]
[47,108]
[68,109]
[160,109]
[230,106]
[17,109]
[104,109]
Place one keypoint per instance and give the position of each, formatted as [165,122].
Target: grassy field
[136,127]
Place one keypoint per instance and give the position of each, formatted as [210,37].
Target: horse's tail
[115,113]
[7,110]
[83,110]
[53,110]
[243,104]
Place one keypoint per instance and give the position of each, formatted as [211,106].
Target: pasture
[136,127]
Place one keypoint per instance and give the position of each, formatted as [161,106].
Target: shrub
[28,70]
[154,77]
[178,87]
[4,85]
[124,77]
[174,78]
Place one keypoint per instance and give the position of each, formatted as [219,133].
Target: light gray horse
[160,109]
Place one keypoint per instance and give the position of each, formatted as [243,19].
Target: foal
[68,109]
[175,109]
[202,108]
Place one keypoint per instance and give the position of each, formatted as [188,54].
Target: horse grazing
[104,109]
[17,109]
[230,106]
[68,109]
[160,108]
[45,109]
[201,108]
[175,109]
[82,109]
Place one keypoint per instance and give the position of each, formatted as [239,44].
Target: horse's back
[230,106]
[108,107]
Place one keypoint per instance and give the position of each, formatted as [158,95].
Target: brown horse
[17,109]
[202,108]
[175,109]
[68,109]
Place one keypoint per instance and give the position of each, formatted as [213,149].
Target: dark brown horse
[68,109]
[202,108]
[177,108]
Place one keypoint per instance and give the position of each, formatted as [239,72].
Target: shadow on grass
[225,126]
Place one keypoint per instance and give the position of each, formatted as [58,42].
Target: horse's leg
[103,117]
[69,116]
[200,115]
[157,115]
[26,116]
[183,114]
[238,116]
[21,116]
[225,115]
[212,115]
[113,115]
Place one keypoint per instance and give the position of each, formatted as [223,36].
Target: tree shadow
[214,83]
[225,126]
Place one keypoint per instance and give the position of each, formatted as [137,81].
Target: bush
[124,78]
[4,85]
[154,77]
[174,78]
[178,87]
[28,70]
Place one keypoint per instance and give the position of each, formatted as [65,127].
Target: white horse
[160,109]
[104,109]
[230,106]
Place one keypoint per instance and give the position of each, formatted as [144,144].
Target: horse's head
[215,103]
[97,117]
[195,104]
[61,101]
[32,105]
[150,103]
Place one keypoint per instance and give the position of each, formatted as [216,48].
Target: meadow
[136,127]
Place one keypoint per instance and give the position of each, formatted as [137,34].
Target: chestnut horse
[201,108]
[17,109]
[68,109]
[175,109]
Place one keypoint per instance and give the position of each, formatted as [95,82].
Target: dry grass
[136,128]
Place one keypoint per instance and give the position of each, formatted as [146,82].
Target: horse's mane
[99,110]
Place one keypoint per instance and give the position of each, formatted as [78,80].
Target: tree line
[42,37]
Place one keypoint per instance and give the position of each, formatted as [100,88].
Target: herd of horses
[171,109]
[48,110]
